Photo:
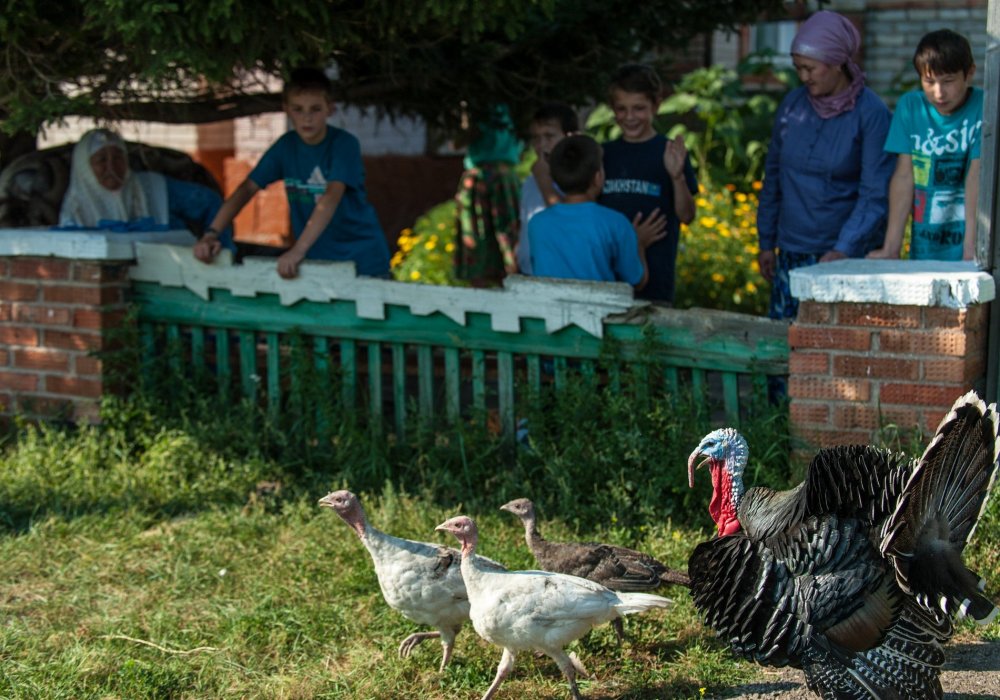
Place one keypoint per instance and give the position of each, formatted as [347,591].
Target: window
[774,38]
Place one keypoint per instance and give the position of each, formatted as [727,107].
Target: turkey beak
[506,507]
[443,527]
[326,501]
[692,466]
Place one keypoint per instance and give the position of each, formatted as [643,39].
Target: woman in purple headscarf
[826,177]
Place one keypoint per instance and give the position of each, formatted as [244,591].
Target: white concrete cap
[83,245]
[953,285]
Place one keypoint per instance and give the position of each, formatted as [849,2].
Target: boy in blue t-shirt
[324,182]
[578,238]
[936,132]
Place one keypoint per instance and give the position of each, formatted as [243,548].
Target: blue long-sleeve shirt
[826,181]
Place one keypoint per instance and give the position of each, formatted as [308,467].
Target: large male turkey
[856,574]
[421,580]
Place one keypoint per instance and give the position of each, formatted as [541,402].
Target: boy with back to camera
[550,124]
[936,132]
[579,238]
[324,181]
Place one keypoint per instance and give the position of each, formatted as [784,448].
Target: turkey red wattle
[722,507]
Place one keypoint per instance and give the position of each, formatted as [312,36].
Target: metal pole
[987,240]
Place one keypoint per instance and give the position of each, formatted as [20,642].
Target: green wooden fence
[442,368]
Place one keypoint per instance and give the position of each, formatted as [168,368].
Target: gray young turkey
[536,610]
[420,580]
[856,574]
[617,568]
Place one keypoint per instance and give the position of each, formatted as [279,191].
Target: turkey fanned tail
[937,513]
[905,665]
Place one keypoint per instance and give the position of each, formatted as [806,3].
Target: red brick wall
[855,368]
[54,313]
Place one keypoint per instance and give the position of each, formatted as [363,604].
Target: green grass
[280,601]
[154,557]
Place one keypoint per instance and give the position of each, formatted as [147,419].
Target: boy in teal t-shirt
[324,181]
[937,133]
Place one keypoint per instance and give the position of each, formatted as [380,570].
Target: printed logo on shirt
[625,186]
[306,191]
[957,140]
[947,206]
[948,235]
[949,172]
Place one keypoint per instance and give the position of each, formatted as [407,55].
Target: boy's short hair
[943,51]
[558,112]
[639,78]
[574,161]
[307,79]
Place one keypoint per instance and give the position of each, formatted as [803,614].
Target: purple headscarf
[831,39]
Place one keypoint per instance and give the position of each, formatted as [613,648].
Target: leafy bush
[169,450]
[717,254]
[426,251]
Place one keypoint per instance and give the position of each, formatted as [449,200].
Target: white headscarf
[88,202]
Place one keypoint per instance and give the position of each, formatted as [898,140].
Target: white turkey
[536,610]
[856,574]
[612,566]
[420,580]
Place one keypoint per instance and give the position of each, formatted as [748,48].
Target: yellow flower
[718,277]
[757,185]
[441,226]
[701,202]
[449,248]
[415,275]
[740,197]
[430,245]
[708,221]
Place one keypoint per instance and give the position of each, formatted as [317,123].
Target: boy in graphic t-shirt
[936,132]
[325,184]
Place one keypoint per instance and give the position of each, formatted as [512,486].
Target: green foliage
[425,252]
[162,59]
[717,254]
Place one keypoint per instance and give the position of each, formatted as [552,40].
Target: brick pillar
[54,313]
[863,358]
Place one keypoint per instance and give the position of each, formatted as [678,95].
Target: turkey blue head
[725,452]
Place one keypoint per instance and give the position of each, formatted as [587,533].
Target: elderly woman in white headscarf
[105,193]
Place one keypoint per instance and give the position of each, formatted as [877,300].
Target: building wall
[892,30]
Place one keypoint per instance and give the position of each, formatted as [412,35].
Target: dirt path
[972,672]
